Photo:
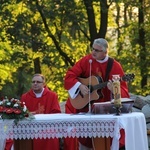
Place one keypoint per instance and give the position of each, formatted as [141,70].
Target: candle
[116,90]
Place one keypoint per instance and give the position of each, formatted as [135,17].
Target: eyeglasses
[96,50]
[37,82]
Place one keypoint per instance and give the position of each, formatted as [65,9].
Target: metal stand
[118,110]
[89,112]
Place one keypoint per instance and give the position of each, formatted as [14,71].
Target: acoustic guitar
[97,83]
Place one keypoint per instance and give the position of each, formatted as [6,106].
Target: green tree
[49,36]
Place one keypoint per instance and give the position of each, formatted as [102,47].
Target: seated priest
[41,100]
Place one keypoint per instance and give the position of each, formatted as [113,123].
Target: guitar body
[81,101]
[97,83]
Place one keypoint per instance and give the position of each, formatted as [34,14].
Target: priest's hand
[110,86]
[84,89]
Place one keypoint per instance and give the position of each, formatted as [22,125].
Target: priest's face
[37,84]
[98,53]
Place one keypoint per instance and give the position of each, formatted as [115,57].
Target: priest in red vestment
[94,64]
[41,100]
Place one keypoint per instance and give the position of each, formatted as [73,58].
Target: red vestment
[82,69]
[9,144]
[46,104]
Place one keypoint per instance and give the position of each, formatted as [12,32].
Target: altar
[81,125]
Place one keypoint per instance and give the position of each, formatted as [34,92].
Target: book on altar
[109,108]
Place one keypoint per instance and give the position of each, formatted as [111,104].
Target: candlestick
[117,93]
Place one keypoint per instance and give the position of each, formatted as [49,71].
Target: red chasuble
[47,104]
[9,144]
[82,69]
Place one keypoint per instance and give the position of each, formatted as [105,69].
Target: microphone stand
[89,112]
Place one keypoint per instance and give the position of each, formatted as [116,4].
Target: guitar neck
[104,84]
[100,86]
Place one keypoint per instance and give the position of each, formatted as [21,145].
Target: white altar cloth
[59,125]
[81,125]
[135,131]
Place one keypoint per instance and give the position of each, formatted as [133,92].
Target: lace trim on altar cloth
[58,128]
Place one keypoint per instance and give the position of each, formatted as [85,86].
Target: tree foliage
[49,36]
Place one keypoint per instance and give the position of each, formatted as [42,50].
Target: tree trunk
[104,19]
[143,64]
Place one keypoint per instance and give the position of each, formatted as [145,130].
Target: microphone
[90,62]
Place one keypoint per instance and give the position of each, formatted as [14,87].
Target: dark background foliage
[49,36]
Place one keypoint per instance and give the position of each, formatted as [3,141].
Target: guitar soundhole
[90,88]
[100,80]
